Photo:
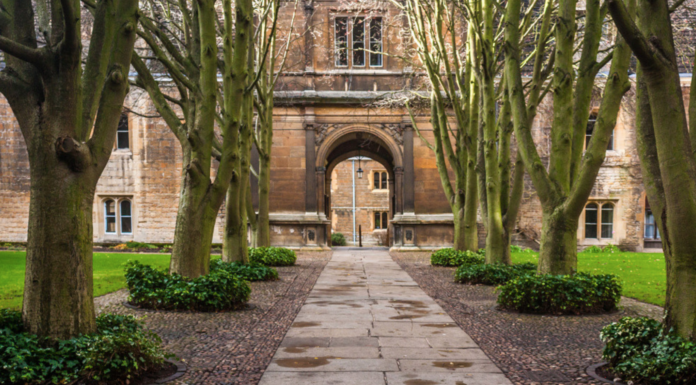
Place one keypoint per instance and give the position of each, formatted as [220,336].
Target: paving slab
[322,378]
[432,378]
[367,322]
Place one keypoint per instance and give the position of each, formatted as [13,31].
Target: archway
[349,142]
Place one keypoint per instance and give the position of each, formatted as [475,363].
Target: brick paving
[367,322]
[231,347]
[530,349]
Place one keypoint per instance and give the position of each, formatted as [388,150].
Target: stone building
[360,203]
[324,117]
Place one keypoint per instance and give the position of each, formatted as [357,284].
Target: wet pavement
[367,322]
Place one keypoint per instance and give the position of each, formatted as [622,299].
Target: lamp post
[360,170]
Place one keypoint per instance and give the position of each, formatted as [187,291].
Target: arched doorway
[348,142]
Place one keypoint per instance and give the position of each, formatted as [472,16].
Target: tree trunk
[58,301]
[264,228]
[460,229]
[470,208]
[193,235]
[559,244]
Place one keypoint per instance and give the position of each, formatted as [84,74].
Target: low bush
[451,257]
[155,289]
[638,349]
[606,249]
[250,272]
[580,293]
[119,351]
[140,245]
[272,256]
[11,320]
[492,274]
[520,249]
[338,239]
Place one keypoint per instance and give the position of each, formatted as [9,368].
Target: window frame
[119,131]
[121,216]
[367,41]
[593,118]
[381,42]
[353,42]
[383,178]
[600,223]
[381,216]
[107,216]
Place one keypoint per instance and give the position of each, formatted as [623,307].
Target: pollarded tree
[68,113]
[565,187]
[666,146]
[183,41]
[462,68]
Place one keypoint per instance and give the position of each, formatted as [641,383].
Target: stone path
[367,322]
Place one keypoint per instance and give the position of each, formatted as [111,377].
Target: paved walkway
[367,322]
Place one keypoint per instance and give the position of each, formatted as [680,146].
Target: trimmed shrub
[638,349]
[451,257]
[155,289]
[139,245]
[272,256]
[250,272]
[492,274]
[119,351]
[592,249]
[338,239]
[580,293]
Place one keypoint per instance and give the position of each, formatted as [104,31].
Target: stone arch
[341,135]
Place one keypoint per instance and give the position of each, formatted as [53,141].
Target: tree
[666,146]
[462,69]
[565,187]
[183,41]
[68,114]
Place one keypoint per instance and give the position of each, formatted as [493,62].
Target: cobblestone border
[248,306]
[180,371]
[592,372]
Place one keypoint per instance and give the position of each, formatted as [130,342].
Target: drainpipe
[353,161]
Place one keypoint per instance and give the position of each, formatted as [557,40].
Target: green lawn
[108,273]
[642,274]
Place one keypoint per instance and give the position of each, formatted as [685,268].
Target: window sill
[380,190]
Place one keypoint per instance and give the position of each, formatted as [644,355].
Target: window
[376,42]
[126,224]
[110,217]
[118,221]
[359,42]
[591,221]
[607,220]
[354,37]
[341,41]
[599,221]
[380,180]
[381,220]
[651,230]
[122,136]
[591,122]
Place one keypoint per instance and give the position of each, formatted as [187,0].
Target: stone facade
[366,199]
[324,116]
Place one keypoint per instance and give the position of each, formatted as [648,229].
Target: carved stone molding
[395,130]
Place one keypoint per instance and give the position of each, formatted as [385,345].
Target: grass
[642,274]
[108,273]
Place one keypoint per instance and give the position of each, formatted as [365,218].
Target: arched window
[110,216]
[591,220]
[607,220]
[126,221]
[384,181]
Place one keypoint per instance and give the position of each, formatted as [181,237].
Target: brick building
[323,118]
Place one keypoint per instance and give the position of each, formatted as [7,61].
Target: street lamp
[360,170]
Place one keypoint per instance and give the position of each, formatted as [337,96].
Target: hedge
[155,289]
[580,293]
[492,274]
[248,272]
[451,257]
[272,256]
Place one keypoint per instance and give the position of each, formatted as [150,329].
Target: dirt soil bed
[529,349]
[231,347]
